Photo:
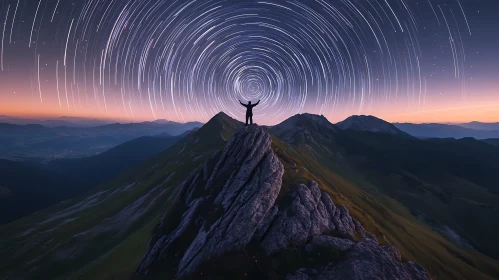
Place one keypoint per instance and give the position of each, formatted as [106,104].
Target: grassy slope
[122,261]
[450,183]
[383,215]
[30,188]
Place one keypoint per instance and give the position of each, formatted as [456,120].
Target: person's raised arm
[257,102]
[242,103]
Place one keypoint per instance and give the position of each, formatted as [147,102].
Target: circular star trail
[188,60]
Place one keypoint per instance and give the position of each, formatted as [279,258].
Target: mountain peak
[304,120]
[308,117]
[371,124]
[161,121]
[221,115]
[301,127]
[222,119]
[219,129]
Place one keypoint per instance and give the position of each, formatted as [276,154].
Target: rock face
[362,260]
[221,206]
[308,212]
[229,206]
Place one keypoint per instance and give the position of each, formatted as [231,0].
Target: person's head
[249,102]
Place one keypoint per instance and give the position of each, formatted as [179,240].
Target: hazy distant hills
[40,143]
[69,121]
[476,130]
[481,126]
[60,121]
[435,130]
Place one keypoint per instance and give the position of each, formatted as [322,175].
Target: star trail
[188,60]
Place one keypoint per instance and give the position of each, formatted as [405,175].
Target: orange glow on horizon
[483,109]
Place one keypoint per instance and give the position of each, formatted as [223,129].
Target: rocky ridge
[228,210]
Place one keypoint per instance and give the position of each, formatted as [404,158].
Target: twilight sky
[184,60]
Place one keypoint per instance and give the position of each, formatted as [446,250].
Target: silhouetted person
[249,110]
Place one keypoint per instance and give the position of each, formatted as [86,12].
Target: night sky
[135,60]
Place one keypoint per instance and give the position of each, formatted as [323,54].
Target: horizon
[112,121]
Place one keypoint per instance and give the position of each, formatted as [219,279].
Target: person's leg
[247,119]
[251,119]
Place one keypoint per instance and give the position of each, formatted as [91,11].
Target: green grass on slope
[450,184]
[382,215]
[123,260]
[53,249]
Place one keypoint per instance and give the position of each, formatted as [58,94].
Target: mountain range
[435,130]
[55,122]
[35,142]
[477,130]
[436,201]
[480,126]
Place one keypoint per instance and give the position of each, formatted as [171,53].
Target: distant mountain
[61,121]
[303,127]
[481,125]
[74,121]
[39,143]
[25,189]
[370,123]
[434,130]
[163,121]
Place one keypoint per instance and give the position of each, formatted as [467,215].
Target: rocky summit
[229,220]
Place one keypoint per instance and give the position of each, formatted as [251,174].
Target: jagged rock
[307,212]
[394,251]
[331,243]
[229,204]
[264,226]
[232,202]
[363,260]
